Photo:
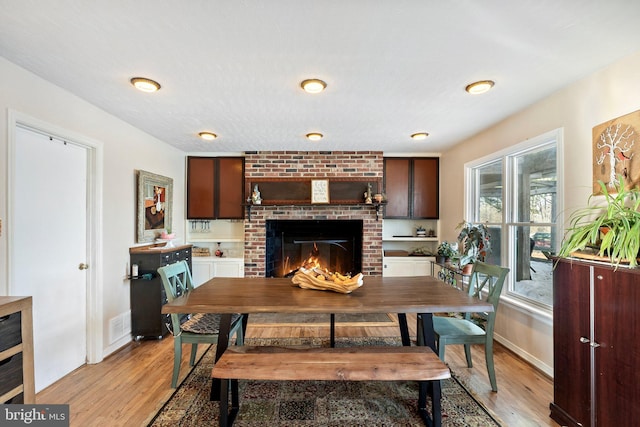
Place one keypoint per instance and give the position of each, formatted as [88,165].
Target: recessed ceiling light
[419,136]
[477,88]
[314,136]
[209,136]
[145,85]
[313,85]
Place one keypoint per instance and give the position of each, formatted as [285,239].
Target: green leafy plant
[446,250]
[474,241]
[612,229]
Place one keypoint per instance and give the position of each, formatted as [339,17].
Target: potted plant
[474,241]
[421,231]
[445,251]
[610,230]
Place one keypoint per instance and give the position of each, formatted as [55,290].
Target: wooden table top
[421,294]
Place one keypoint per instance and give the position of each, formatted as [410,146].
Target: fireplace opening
[336,243]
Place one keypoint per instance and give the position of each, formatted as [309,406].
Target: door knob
[83,266]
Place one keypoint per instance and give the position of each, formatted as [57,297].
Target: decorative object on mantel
[155,194]
[615,143]
[368,197]
[320,191]
[315,278]
[609,232]
[475,244]
[421,231]
[256,199]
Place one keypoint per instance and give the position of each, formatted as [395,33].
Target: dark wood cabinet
[412,187]
[596,318]
[17,385]
[215,187]
[147,292]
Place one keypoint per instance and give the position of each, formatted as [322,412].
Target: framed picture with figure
[320,191]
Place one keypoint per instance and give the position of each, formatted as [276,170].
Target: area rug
[321,319]
[317,403]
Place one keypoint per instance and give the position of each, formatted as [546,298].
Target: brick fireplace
[313,165]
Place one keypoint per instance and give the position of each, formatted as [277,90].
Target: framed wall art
[155,199]
[616,152]
[320,191]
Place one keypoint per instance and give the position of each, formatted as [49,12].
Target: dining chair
[187,328]
[486,283]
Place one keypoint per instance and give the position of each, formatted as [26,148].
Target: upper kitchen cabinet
[411,186]
[215,187]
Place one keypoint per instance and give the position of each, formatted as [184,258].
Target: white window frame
[508,220]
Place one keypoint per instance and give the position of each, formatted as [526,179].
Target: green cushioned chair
[199,328]
[474,328]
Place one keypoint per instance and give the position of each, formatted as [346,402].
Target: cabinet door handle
[584,340]
[594,344]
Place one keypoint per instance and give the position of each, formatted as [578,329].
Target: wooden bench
[342,364]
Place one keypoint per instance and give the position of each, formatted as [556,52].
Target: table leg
[404,329]
[223,343]
[332,332]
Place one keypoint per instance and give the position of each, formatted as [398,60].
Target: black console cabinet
[147,292]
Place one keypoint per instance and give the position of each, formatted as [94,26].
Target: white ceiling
[393,67]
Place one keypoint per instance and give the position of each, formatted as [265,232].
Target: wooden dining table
[423,295]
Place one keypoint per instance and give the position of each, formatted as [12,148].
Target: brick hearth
[307,164]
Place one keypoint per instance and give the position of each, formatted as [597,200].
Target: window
[515,192]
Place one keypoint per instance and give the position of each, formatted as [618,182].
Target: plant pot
[440,259]
[467,269]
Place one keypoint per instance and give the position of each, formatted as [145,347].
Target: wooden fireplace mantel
[296,192]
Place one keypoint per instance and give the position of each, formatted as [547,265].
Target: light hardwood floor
[131,385]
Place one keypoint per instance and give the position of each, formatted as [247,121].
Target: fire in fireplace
[337,244]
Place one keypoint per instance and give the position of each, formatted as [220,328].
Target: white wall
[605,95]
[126,149]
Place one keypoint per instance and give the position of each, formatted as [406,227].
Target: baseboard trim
[529,358]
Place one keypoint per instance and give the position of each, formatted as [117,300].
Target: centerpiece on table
[316,278]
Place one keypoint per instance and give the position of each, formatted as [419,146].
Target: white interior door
[50,244]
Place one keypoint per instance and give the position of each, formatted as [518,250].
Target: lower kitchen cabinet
[406,266]
[205,268]
[596,318]
[147,292]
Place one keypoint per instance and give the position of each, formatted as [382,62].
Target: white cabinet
[406,266]
[205,268]
[202,270]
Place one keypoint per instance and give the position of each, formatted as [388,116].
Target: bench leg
[227,417]
[435,420]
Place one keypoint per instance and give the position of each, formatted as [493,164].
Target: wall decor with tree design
[616,152]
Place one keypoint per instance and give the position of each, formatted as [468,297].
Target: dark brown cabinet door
[425,188]
[215,187]
[411,186]
[571,314]
[230,185]
[617,328]
[200,187]
[396,184]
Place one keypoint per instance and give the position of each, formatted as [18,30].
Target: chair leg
[240,336]
[488,354]
[177,358]
[467,353]
[194,350]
